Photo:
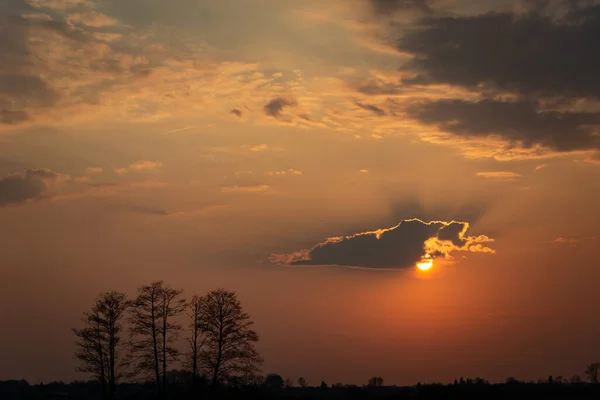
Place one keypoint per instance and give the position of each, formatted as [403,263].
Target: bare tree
[302,382]
[229,337]
[153,331]
[592,371]
[196,339]
[98,343]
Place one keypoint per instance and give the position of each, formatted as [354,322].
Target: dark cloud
[530,54]
[274,107]
[401,246]
[237,112]
[518,122]
[387,7]
[13,117]
[32,185]
[370,107]
[22,87]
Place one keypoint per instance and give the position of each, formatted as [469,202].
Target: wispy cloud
[139,166]
[94,170]
[290,171]
[500,175]
[259,147]
[245,189]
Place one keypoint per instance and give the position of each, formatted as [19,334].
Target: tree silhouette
[196,339]
[229,337]
[575,379]
[153,332]
[375,381]
[274,381]
[592,371]
[302,382]
[98,343]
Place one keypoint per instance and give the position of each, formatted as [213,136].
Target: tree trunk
[102,370]
[112,351]
[155,345]
[164,349]
[220,353]
[195,356]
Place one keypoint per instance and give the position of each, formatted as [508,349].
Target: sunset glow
[425,265]
[407,188]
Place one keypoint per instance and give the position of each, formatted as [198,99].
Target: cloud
[34,184]
[259,147]
[290,171]
[139,166]
[237,112]
[388,7]
[540,167]
[593,159]
[533,53]
[371,107]
[245,189]
[513,84]
[102,184]
[518,122]
[23,88]
[94,170]
[92,19]
[572,240]
[401,246]
[501,175]
[60,4]
[275,107]
[142,209]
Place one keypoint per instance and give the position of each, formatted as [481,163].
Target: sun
[425,264]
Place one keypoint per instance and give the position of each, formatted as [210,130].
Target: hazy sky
[308,154]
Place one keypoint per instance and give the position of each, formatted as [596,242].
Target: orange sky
[225,143]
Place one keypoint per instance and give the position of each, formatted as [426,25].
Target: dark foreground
[17,390]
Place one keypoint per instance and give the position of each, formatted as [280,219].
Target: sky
[308,155]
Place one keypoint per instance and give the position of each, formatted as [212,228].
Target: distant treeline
[129,348]
[183,390]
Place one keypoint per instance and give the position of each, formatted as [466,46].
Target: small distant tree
[511,381]
[274,381]
[153,330]
[592,371]
[375,381]
[302,382]
[98,344]
[481,381]
[323,385]
[575,379]
[229,338]
[288,383]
